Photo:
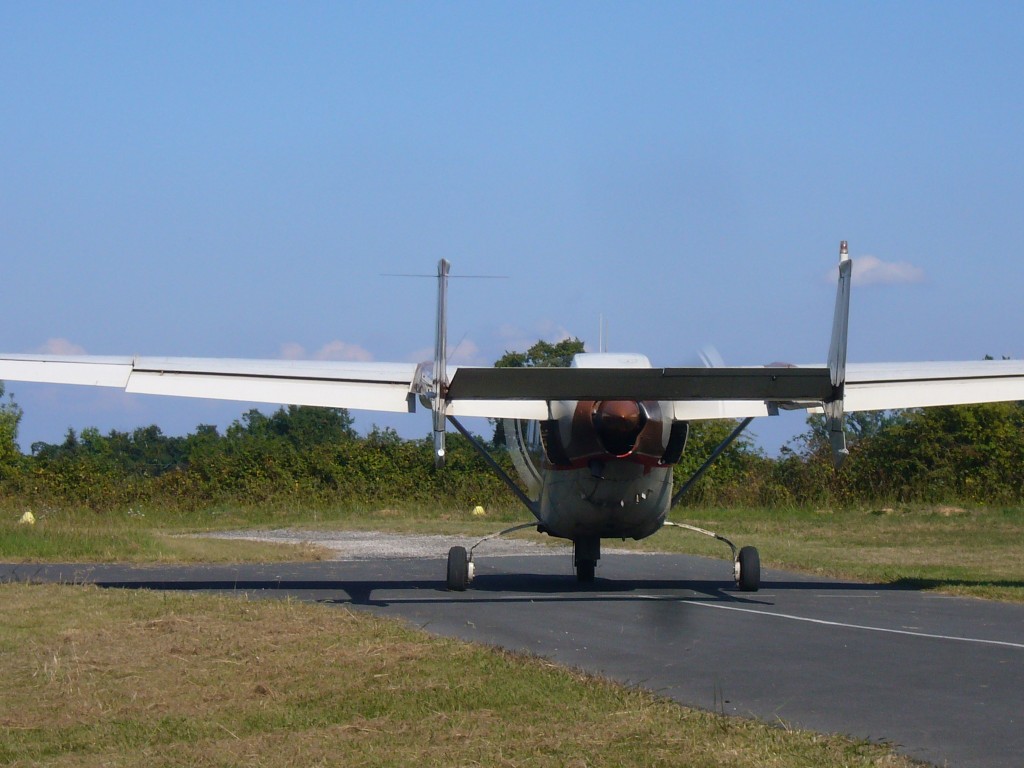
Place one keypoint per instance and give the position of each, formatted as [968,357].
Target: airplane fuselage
[606,469]
[626,500]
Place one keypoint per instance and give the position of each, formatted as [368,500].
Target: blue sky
[233,179]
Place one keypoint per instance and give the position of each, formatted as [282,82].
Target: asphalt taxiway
[941,678]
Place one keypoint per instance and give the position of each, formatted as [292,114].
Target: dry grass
[96,677]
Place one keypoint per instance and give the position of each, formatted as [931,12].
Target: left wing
[884,386]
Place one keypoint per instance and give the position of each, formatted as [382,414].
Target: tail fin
[837,358]
[440,382]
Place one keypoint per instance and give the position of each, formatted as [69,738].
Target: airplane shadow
[485,589]
[492,588]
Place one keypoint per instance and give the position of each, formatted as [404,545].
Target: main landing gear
[460,560]
[586,553]
[746,569]
[460,569]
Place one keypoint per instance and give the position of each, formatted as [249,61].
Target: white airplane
[611,426]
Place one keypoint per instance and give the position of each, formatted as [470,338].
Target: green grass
[967,551]
[95,677]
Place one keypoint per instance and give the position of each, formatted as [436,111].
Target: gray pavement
[941,678]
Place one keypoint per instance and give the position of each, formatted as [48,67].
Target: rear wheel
[586,553]
[748,570]
[458,569]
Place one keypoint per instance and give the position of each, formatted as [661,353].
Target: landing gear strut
[746,569]
[586,553]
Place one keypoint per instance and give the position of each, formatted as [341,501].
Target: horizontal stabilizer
[754,383]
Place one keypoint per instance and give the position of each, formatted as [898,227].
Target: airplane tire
[749,578]
[458,569]
[585,571]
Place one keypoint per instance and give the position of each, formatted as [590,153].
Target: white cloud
[871,270]
[421,355]
[333,350]
[342,350]
[466,352]
[60,346]
[293,351]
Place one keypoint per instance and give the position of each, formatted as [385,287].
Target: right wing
[393,387]
[371,386]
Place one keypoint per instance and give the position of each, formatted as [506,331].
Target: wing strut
[439,390]
[711,460]
[837,360]
[531,505]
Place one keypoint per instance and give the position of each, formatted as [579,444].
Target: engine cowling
[611,429]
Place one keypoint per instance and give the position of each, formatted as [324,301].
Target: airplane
[611,426]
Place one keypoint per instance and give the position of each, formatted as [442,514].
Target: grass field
[95,677]
[105,677]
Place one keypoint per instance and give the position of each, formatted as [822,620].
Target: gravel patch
[374,545]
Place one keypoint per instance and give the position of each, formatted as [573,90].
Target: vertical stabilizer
[837,358]
[440,383]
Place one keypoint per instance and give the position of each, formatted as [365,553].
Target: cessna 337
[611,426]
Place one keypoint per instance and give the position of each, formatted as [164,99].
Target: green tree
[954,453]
[10,419]
[543,354]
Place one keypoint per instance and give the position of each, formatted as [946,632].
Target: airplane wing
[371,386]
[696,393]
[884,386]
[392,387]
